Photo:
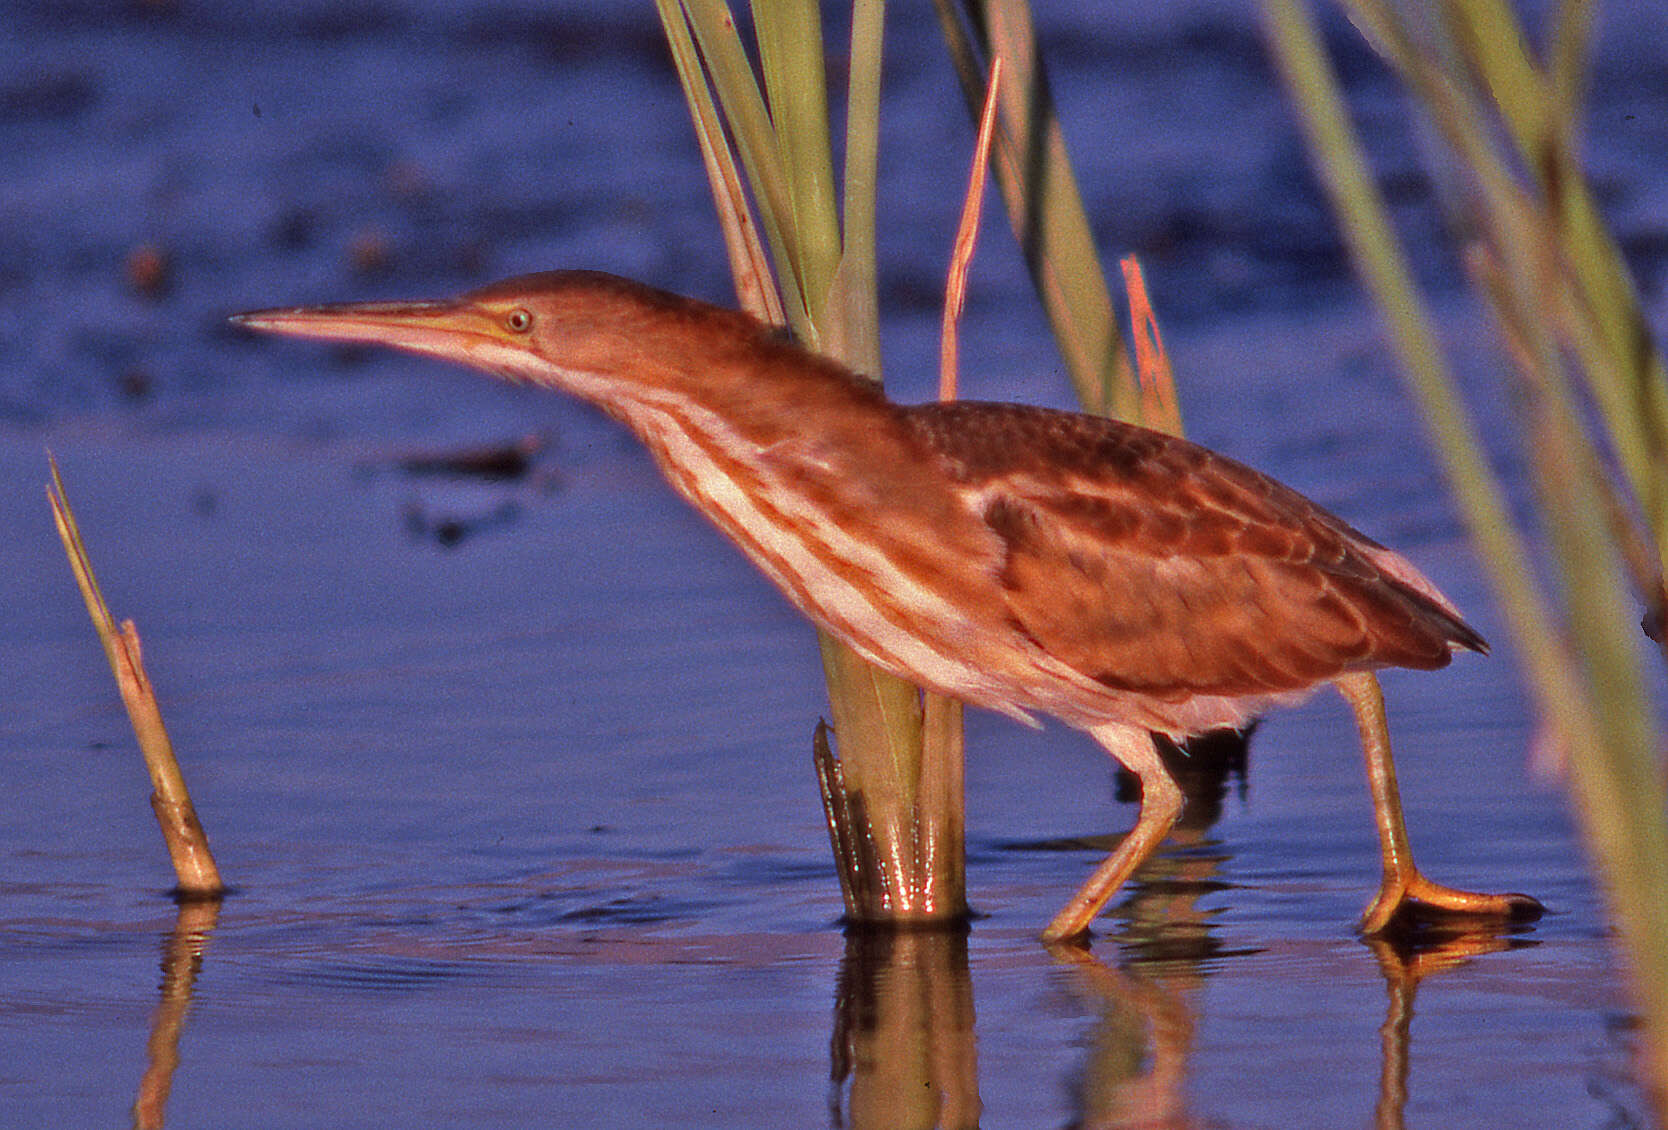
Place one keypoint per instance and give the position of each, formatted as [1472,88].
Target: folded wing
[1155,566]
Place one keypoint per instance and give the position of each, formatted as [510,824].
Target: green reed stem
[1558,288]
[895,827]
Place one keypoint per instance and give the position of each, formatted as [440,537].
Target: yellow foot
[1416,897]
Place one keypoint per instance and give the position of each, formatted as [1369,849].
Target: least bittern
[1025,560]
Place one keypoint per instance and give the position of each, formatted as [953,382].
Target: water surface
[513,778]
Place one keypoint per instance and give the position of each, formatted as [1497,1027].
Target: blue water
[523,830]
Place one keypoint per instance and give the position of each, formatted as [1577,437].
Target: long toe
[1419,899]
[1451,900]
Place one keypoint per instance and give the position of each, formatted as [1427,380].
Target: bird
[1023,559]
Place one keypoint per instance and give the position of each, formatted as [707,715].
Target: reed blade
[1551,273]
[900,854]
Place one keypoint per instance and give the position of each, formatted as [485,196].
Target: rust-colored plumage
[1193,589]
[1025,560]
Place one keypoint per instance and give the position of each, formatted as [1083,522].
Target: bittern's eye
[518,321]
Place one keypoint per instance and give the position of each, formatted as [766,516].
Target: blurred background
[472,747]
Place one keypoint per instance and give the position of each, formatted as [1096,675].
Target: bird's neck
[721,380]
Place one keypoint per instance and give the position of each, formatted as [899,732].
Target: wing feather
[1157,567]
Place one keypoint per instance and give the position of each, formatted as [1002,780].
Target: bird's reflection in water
[1136,1072]
[1162,918]
[1406,958]
[182,958]
[1136,1068]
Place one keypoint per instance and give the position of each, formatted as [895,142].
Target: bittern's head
[592,334]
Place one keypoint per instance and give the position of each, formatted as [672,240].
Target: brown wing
[1156,566]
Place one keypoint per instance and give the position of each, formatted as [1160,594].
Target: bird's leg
[1402,883]
[1161,803]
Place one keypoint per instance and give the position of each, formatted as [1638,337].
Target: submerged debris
[448,528]
[502,461]
[150,270]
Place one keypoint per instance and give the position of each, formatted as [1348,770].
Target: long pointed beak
[424,327]
[459,330]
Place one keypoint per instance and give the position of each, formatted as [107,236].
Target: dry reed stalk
[967,237]
[1159,408]
[188,847]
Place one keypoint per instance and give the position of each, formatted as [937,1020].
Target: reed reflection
[903,1052]
[182,958]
